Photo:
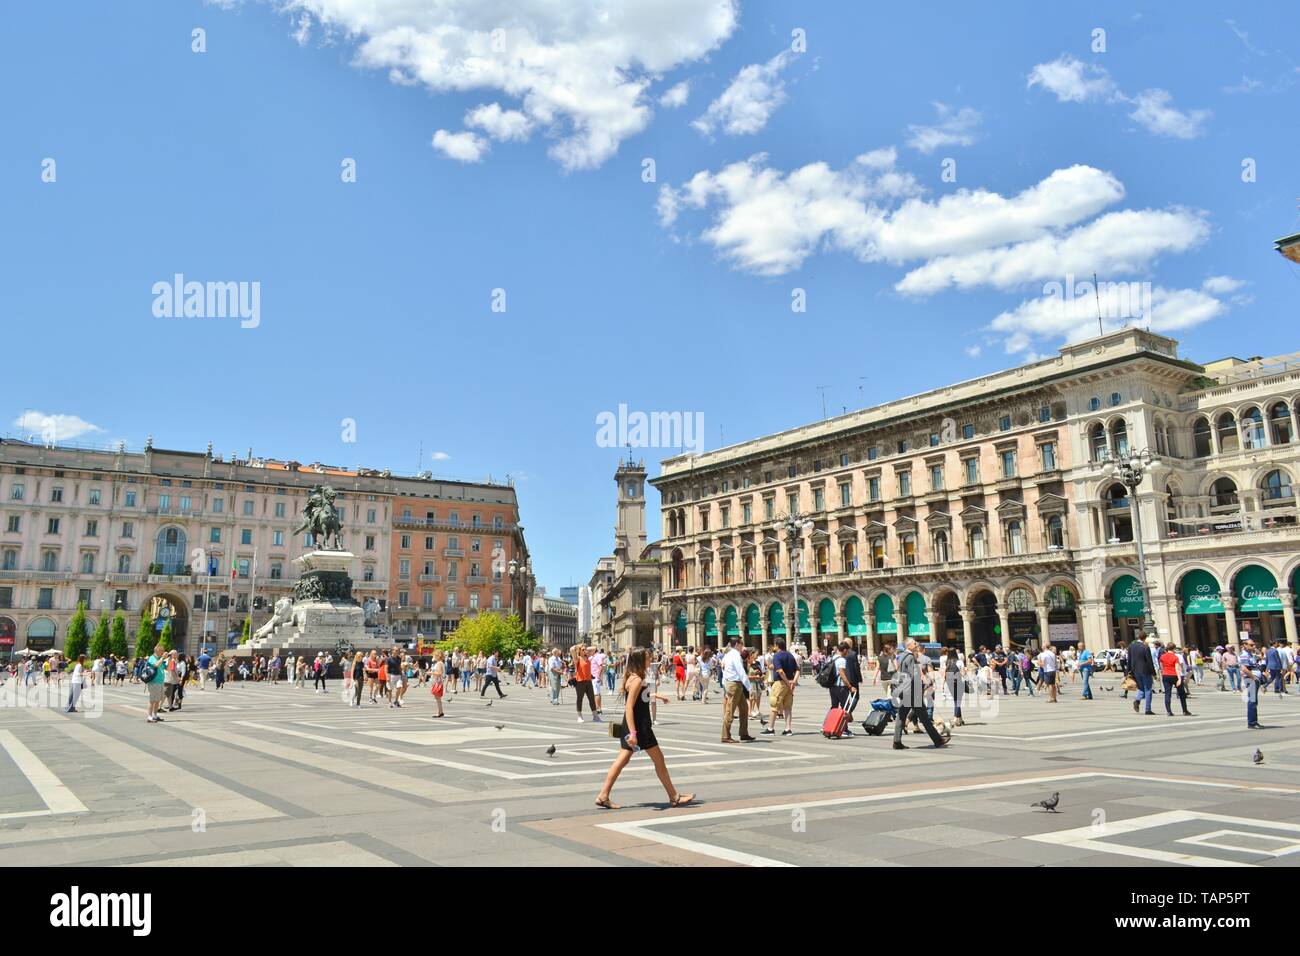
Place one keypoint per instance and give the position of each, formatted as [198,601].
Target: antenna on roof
[1097,295]
[822,389]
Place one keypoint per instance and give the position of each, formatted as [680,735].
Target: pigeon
[1109,689]
[500,726]
[1259,757]
[488,704]
[1049,804]
[550,751]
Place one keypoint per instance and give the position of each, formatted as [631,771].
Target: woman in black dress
[636,733]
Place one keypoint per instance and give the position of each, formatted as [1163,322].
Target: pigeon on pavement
[550,751]
[1049,804]
[1258,758]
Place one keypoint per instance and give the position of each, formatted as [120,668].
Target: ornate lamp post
[794,526]
[519,578]
[1129,469]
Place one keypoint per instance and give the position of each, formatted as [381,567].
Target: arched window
[907,547]
[773,571]
[170,550]
[1277,489]
[1223,494]
[1020,600]
[1015,538]
[1119,438]
[1119,522]
[1279,419]
[1162,447]
[941,547]
[848,558]
[976,539]
[1097,442]
[877,553]
[124,564]
[1252,428]
[1228,441]
[1171,440]
[822,559]
[726,570]
[1202,443]
[1055,532]
[706,573]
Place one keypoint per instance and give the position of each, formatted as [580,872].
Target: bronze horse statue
[321,519]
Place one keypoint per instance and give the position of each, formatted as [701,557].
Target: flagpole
[230,590]
[252,590]
[207,599]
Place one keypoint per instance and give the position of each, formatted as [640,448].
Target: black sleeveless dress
[645,735]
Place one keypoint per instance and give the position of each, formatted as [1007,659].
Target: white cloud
[1050,318]
[953,129]
[1152,110]
[580,71]
[1221,285]
[973,351]
[1072,80]
[751,98]
[500,124]
[466,147]
[440,456]
[54,427]
[676,96]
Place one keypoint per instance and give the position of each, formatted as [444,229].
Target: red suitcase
[837,720]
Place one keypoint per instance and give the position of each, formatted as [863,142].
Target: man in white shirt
[736,693]
[554,671]
[1047,665]
[597,662]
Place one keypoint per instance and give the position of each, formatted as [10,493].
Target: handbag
[617,730]
[436,690]
[1129,684]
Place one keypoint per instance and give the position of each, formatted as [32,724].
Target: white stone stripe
[52,791]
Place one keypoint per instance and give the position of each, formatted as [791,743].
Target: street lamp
[794,525]
[1129,469]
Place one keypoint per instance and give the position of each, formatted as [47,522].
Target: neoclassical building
[118,530]
[983,512]
[624,586]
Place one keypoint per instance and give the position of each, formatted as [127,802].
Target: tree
[166,639]
[117,643]
[487,633]
[144,639]
[99,644]
[247,632]
[74,645]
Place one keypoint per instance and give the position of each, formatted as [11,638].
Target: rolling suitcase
[876,722]
[837,720]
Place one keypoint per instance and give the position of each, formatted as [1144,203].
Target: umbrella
[25,652]
[50,653]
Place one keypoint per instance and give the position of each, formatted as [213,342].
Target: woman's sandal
[681,799]
[606,805]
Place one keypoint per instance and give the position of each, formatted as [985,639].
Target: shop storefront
[1204,622]
[886,625]
[918,622]
[1259,607]
[1126,609]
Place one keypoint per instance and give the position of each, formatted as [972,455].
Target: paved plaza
[262,775]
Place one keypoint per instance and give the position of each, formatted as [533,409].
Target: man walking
[735,694]
[1085,668]
[908,693]
[490,677]
[1047,666]
[1251,676]
[205,662]
[1142,669]
[785,674]
[847,680]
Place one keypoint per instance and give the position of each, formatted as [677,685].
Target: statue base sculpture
[322,614]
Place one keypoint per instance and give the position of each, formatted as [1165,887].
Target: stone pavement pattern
[262,775]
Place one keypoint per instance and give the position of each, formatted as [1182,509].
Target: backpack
[825,675]
[148,672]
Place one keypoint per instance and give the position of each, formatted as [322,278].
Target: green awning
[1200,593]
[918,622]
[731,620]
[826,616]
[805,626]
[776,619]
[884,608]
[1126,595]
[855,616]
[1256,589]
[710,622]
[753,624]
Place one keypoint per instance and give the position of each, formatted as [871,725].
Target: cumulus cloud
[750,99]
[440,456]
[578,71]
[54,427]
[1073,81]
[676,96]
[466,147]
[1221,285]
[500,124]
[953,129]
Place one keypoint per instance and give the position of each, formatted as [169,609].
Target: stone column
[1288,614]
[874,642]
[1230,617]
[1043,636]
[967,618]
[900,616]
[1004,619]
[765,634]
[841,629]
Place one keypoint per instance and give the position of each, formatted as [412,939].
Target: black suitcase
[876,722]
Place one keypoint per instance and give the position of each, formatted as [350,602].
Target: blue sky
[519,166]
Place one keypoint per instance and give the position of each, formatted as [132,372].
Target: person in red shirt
[1172,676]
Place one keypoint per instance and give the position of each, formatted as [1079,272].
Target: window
[873,489]
[902,447]
[451,599]
[50,561]
[45,599]
[1015,538]
[968,431]
[92,528]
[243,567]
[844,460]
[977,548]
[936,477]
[16,493]
[1280,424]
[934,439]
[792,502]
[427,600]
[14,523]
[246,536]
[53,526]
[404,568]
[972,471]
[277,570]
[941,547]
[130,499]
[1004,423]
[403,598]
[846,495]
[10,560]
[476,544]
[496,598]
[873,452]
[56,494]
[123,564]
[95,494]
[746,513]
[907,546]
[88,563]
[277,539]
[119,601]
[370,516]
[218,505]
[904,484]
[1045,413]
[6,597]
[1115,398]
[1252,429]
[877,553]
[1094,404]
[1048,451]
[128,529]
[1228,433]
[473,600]
[248,509]
[214,536]
[819,501]
[279,509]
[1009,463]
[164,503]
[792,471]
[405,541]
[497,524]
[1202,443]
[769,508]
[1276,486]
[370,542]
[185,503]
[1055,532]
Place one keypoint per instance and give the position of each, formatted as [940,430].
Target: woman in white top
[692,673]
[78,678]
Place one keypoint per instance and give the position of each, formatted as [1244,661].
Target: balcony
[476,579]
[453,552]
[125,578]
[178,578]
[430,578]
[174,511]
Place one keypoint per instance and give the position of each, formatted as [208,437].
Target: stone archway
[163,607]
[985,623]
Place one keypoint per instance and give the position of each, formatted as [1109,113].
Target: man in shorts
[1048,666]
[785,674]
[157,661]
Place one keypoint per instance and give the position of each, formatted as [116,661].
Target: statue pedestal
[324,612]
